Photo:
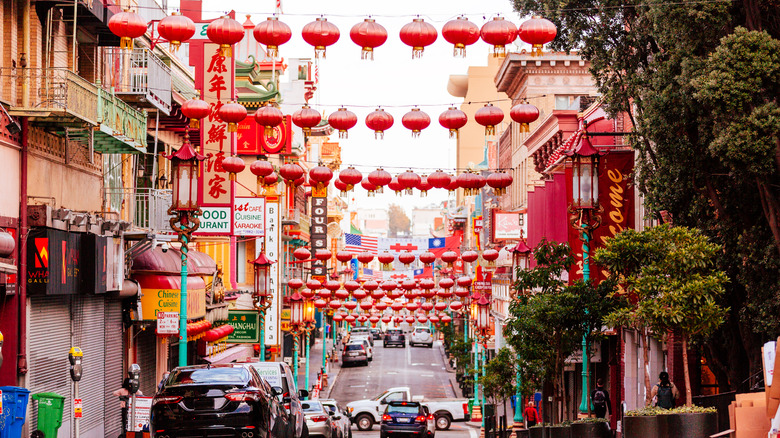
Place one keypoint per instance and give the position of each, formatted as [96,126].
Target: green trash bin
[50,408]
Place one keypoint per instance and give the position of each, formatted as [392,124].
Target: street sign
[77,405]
[143,407]
[167,323]
[246,326]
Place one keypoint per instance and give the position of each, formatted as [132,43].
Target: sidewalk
[315,365]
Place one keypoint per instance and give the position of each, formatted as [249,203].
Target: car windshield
[394,331]
[403,409]
[353,347]
[331,408]
[380,395]
[311,406]
[222,375]
[421,330]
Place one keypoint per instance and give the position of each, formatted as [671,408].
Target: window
[404,409]
[396,396]
[567,102]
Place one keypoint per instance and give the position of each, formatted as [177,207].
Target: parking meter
[74,356]
[134,374]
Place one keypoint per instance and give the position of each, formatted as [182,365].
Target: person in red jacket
[531,415]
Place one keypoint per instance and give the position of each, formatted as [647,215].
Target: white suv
[422,336]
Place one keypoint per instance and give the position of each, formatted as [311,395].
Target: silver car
[318,420]
[340,417]
[421,336]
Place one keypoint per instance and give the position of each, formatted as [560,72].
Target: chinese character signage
[246,326]
[319,231]
[249,216]
[272,236]
[217,80]
[252,139]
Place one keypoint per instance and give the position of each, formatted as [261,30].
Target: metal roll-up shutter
[89,334]
[114,369]
[147,354]
[49,340]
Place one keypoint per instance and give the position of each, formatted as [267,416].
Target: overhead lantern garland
[489,116]
[272,33]
[461,33]
[453,119]
[416,120]
[306,118]
[176,29]
[409,181]
[127,25]
[342,120]
[418,34]
[499,33]
[537,32]
[368,35]
[499,182]
[225,31]
[350,177]
[379,178]
[379,121]
[320,33]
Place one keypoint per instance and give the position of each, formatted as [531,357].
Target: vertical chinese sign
[271,322]
[319,230]
[217,142]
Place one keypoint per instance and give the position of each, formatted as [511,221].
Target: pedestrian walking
[600,399]
[531,414]
[664,393]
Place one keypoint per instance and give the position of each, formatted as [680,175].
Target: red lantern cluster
[195,330]
[218,334]
[470,182]
[293,174]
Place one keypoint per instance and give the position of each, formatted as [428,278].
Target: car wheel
[364,422]
[384,345]
[443,422]
[430,345]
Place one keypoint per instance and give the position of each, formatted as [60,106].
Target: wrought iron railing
[146,208]
[137,72]
[123,121]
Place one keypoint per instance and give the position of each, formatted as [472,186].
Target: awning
[161,292]
[7,268]
[237,353]
[169,262]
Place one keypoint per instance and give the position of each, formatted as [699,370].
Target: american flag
[357,243]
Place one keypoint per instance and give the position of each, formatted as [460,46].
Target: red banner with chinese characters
[616,196]
[217,80]
[252,139]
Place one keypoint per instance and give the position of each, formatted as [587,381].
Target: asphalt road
[419,368]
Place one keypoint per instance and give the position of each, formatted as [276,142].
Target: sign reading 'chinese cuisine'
[217,142]
[249,216]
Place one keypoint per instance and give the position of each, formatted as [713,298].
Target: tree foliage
[498,383]
[700,81]
[400,224]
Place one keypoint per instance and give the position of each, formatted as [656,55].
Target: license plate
[352,353]
[403,420]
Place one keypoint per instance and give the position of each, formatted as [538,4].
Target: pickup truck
[365,413]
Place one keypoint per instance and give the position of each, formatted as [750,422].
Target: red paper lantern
[470,182]
[423,186]
[464,281]
[427,306]
[306,118]
[341,294]
[127,25]
[359,294]
[456,305]
[386,259]
[453,185]
[320,176]
[291,173]
[313,284]
[350,176]
[351,285]
[365,257]
[320,303]
[422,319]
[448,257]
[195,109]
[412,306]
[428,293]
[332,285]
[524,114]
[386,319]
[367,186]
[369,35]
[362,318]
[469,256]
[342,120]
[498,33]
[377,295]
[379,121]
[460,32]
[307,293]
[427,284]
[395,186]
[373,319]
[447,283]
[338,317]
[320,33]
[489,116]
[490,256]
[388,285]
[334,304]
[225,31]
[232,113]
[397,306]
[232,166]
[439,179]
[381,305]
[461,292]
[415,120]
[427,257]
[409,180]
[412,294]
[366,304]
[370,285]
[272,33]
[344,256]
[398,319]
[418,34]
[350,305]
[453,119]
[302,254]
[295,283]
[410,319]
[270,117]
[379,178]
[175,29]
[537,32]
[341,186]
[322,255]
[271,180]
[444,293]
[407,258]
[433,319]
[261,169]
[350,319]
[499,181]
[440,306]
[408,284]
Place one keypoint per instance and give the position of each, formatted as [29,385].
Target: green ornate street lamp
[261,299]
[296,326]
[185,168]
[585,217]
[520,256]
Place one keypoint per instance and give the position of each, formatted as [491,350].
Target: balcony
[60,99]
[137,76]
[146,209]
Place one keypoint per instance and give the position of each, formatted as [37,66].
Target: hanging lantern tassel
[194,124]
[524,127]
[379,135]
[499,51]
[306,131]
[499,191]
[536,49]
[367,53]
[371,193]
[387,266]
[126,43]
[225,50]
[173,46]
[415,133]
[343,133]
[232,127]
[417,52]
[453,133]
[319,52]
[459,50]
[272,51]
[269,131]
[490,130]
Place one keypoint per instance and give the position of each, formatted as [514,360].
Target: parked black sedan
[217,401]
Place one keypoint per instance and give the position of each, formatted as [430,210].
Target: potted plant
[591,428]
[561,430]
[691,421]
[537,431]
[642,423]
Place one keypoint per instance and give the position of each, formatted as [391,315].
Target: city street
[421,369]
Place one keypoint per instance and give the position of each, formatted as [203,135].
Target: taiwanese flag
[438,245]
[426,272]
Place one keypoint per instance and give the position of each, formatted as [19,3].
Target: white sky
[392,79]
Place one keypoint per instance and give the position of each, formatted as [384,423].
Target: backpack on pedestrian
[599,398]
[664,397]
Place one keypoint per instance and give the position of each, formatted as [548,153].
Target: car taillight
[319,418]
[287,406]
[166,400]
[430,416]
[386,418]
[465,408]
[420,419]
[243,396]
